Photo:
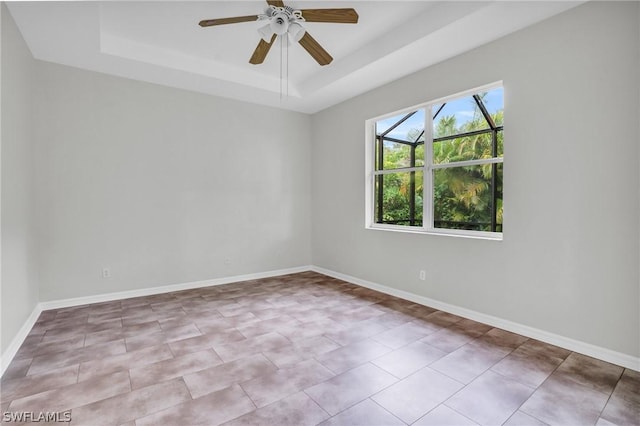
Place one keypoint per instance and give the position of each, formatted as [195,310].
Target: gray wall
[568,263]
[19,281]
[161,185]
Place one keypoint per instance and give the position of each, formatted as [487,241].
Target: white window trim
[427,169]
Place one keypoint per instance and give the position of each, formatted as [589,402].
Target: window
[438,167]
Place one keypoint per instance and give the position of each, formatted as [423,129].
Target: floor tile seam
[528,413]
[390,347]
[375,402]
[337,373]
[164,407]
[272,402]
[319,406]
[315,358]
[525,341]
[323,409]
[539,386]
[456,411]
[56,342]
[344,372]
[64,365]
[389,372]
[129,377]
[571,378]
[533,390]
[250,337]
[129,368]
[517,380]
[538,352]
[358,341]
[209,348]
[270,362]
[332,340]
[394,350]
[494,348]
[186,385]
[28,368]
[21,357]
[163,380]
[192,323]
[291,366]
[21,385]
[73,384]
[78,373]
[255,406]
[367,397]
[424,343]
[284,337]
[478,342]
[625,397]
[386,372]
[605,405]
[453,378]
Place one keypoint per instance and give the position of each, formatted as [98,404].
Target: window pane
[474,147]
[400,135]
[465,198]
[408,130]
[459,116]
[463,114]
[398,198]
[398,155]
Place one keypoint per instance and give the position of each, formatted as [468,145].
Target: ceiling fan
[284,20]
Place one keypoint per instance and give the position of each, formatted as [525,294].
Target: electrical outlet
[422,275]
[106,273]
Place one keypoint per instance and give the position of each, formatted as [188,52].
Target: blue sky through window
[464,109]
[416,121]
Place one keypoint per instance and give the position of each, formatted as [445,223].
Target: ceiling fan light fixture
[296,31]
[266,32]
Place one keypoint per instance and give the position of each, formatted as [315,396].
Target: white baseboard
[17,341]
[65,303]
[598,352]
[594,351]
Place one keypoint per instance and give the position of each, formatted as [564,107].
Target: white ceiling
[161,42]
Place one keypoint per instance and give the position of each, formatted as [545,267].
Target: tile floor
[302,349]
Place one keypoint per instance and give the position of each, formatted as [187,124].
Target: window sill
[475,235]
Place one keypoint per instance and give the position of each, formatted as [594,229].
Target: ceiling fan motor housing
[282,20]
[279,23]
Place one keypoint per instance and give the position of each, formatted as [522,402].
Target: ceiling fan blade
[223,21]
[338,16]
[261,51]
[315,50]
[276,3]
